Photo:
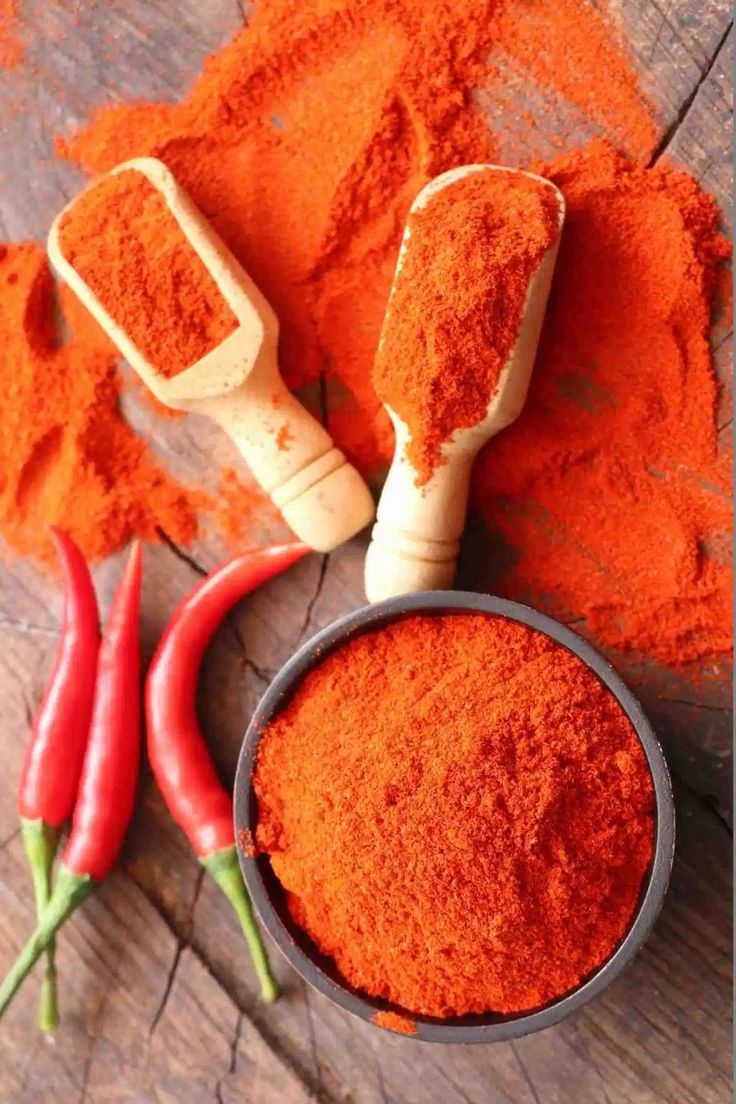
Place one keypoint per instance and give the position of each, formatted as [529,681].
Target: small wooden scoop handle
[416,538]
[292,457]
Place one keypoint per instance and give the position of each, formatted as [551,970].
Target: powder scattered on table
[457,303]
[595,496]
[66,454]
[394,1021]
[11,46]
[122,239]
[460,813]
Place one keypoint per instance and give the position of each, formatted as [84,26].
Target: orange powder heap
[11,47]
[457,304]
[610,494]
[66,454]
[607,499]
[460,813]
[393,1021]
[125,243]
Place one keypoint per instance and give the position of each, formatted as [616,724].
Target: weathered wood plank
[658,1036]
[142,1020]
[673,43]
[702,142]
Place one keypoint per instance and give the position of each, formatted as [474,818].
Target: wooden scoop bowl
[416,538]
[321,496]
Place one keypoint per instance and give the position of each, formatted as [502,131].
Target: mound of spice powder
[125,243]
[457,304]
[460,814]
[608,499]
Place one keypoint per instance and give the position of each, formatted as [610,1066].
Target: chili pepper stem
[224,867]
[41,840]
[69,892]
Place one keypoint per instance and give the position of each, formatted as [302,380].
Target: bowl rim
[366,619]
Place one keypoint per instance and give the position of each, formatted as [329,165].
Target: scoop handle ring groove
[292,457]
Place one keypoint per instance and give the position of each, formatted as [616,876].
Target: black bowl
[267,893]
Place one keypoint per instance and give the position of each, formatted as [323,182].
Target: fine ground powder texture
[460,815]
[457,304]
[125,243]
[607,502]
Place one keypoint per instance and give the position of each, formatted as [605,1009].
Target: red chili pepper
[186,776]
[109,774]
[55,752]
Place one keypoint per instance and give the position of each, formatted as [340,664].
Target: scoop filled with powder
[125,243]
[457,304]
[455,356]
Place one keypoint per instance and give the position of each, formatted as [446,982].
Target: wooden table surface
[159,1001]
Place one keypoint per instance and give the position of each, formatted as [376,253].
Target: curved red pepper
[109,774]
[181,762]
[53,760]
[178,754]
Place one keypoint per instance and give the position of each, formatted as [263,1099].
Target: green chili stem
[69,892]
[224,868]
[41,841]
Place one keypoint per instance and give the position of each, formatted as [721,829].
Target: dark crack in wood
[183,941]
[676,123]
[255,1013]
[167,988]
[261,673]
[181,554]
[314,599]
[697,705]
[233,1060]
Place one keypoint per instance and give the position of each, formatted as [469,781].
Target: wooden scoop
[416,538]
[321,496]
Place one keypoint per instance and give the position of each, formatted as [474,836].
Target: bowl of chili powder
[453,817]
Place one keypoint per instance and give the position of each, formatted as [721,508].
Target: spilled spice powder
[620,425]
[125,243]
[240,504]
[460,814]
[610,490]
[393,1021]
[457,303]
[66,454]
[11,47]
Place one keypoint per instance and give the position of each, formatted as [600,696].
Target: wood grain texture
[702,141]
[159,1001]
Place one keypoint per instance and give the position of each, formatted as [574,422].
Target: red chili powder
[393,1021]
[66,453]
[457,304]
[125,243]
[460,813]
[610,495]
[607,500]
[11,47]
